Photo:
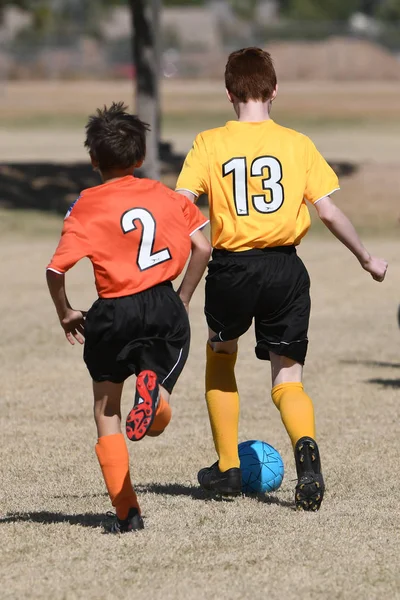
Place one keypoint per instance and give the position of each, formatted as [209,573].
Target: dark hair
[250,75]
[116,139]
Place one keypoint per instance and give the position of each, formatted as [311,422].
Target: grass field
[356,122]
[52,495]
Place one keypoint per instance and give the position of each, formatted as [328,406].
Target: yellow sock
[296,408]
[223,406]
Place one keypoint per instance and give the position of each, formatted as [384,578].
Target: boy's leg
[161,353]
[151,412]
[112,452]
[297,414]
[231,291]
[223,400]
[163,414]
[288,395]
[146,403]
[223,409]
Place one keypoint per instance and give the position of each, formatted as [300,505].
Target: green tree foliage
[183,2]
[322,9]
[390,10]
[62,17]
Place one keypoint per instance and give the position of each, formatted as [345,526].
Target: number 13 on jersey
[272,183]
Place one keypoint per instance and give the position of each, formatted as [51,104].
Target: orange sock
[296,408]
[113,456]
[162,418]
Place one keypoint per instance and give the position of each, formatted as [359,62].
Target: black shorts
[269,285]
[148,330]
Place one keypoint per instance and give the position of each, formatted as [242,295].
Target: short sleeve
[193,216]
[195,175]
[321,179]
[73,246]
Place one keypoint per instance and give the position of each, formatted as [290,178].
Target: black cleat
[310,486]
[133,522]
[227,483]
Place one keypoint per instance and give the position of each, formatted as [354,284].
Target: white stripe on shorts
[174,367]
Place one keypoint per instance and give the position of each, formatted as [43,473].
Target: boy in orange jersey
[138,235]
[258,177]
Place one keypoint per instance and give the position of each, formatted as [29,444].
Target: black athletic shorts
[269,285]
[148,330]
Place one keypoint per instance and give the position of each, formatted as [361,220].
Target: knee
[288,389]
[101,411]
[229,347]
[97,413]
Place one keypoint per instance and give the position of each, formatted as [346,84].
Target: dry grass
[53,498]
[357,122]
[45,120]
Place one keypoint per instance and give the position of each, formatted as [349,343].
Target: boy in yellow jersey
[258,177]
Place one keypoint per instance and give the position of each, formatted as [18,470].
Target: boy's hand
[73,325]
[377,267]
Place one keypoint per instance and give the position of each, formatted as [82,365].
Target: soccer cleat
[227,483]
[310,486]
[133,522]
[147,397]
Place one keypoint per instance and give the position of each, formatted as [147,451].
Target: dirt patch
[337,59]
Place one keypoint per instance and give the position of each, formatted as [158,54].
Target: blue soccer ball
[262,467]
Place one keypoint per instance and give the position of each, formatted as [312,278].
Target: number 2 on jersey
[146,258]
[238,168]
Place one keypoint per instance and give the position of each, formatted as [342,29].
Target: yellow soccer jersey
[257,177]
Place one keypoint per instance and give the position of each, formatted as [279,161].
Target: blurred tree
[60,18]
[389,10]
[19,3]
[184,2]
[321,9]
[63,17]
[244,8]
[146,58]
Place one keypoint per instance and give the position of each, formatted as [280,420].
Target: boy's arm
[72,321]
[194,178]
[201,251]
[341,227]
[73,246]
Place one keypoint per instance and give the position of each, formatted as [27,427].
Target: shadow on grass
[371,363]
[80,496]
[173,489]
[273,500]
[196,493]
[53,186]
[47,518]
[388,383]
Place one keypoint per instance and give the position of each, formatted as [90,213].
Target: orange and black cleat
[147,397]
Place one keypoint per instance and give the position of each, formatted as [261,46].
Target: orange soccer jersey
[136,232]
[258,177]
